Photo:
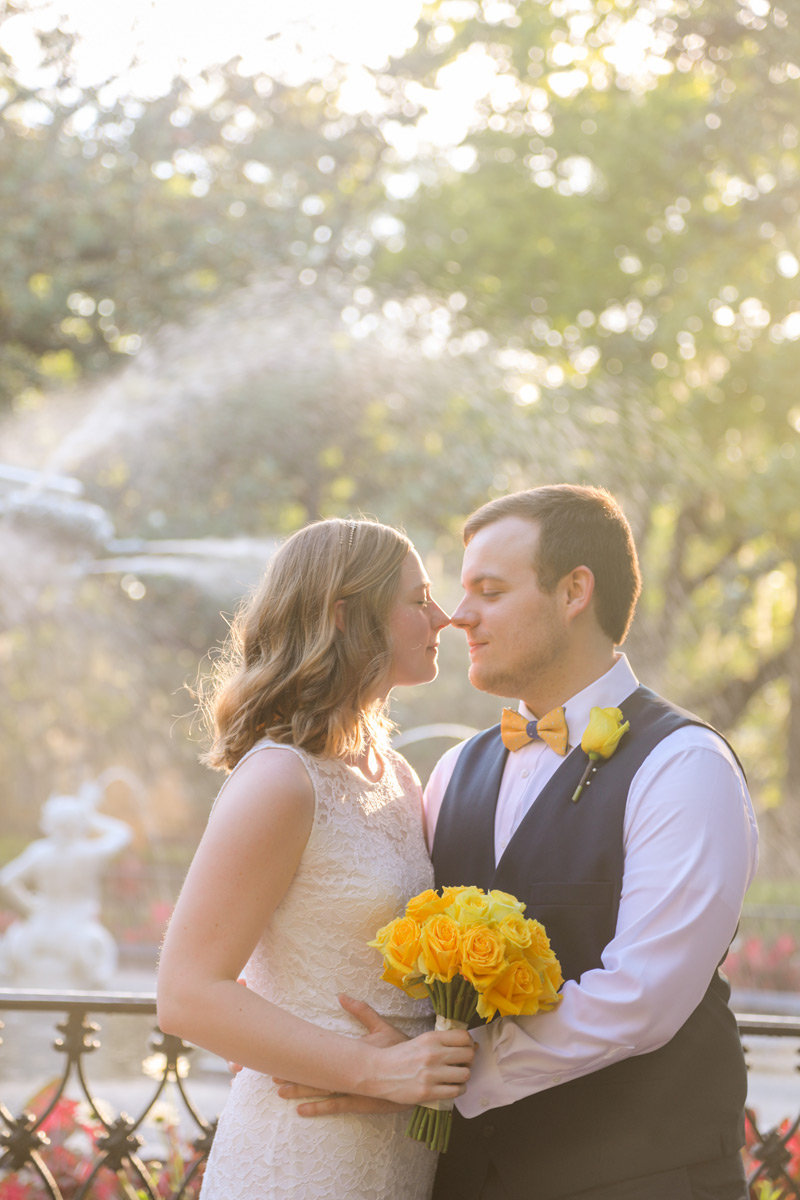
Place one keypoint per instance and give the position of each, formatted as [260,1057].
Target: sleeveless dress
[364,859]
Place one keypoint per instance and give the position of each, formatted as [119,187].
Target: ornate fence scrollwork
[119,1141]
[770,1152]
[23,1140]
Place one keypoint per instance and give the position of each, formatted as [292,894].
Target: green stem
[441,999]
[448,1125]
[458,988]
[591,767]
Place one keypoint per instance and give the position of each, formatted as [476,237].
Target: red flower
[12,1189]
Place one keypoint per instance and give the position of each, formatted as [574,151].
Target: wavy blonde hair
[287,671]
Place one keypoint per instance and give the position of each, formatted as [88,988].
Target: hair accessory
[352,527]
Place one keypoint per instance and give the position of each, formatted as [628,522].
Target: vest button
[488,1131]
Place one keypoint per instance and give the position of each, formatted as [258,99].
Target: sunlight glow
[150,41]
[140,46]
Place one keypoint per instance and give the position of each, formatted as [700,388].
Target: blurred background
[259,266]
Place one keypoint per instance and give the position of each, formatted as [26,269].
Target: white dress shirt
[690,852]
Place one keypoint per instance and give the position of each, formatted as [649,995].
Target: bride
[314,842]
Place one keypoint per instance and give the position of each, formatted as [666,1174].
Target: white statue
[60,942]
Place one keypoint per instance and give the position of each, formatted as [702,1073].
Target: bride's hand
[433,1066]
[379,1031]
[325,1104]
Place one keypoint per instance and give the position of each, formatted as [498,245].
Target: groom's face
[515,631]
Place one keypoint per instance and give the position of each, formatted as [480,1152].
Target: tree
[598,284]
[119,216]
[629,231]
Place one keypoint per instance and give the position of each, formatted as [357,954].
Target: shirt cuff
[485,1087]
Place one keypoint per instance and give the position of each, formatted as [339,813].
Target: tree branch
[723,707]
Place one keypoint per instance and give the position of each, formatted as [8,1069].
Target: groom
[634,1087]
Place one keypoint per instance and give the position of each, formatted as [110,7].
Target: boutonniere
[600,739]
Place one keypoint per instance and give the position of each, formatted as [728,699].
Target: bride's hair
[287,671]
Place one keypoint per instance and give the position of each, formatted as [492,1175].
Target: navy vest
[678,1105]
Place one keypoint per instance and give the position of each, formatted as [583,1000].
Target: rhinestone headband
[351,525]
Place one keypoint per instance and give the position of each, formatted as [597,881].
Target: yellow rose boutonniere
[600,739]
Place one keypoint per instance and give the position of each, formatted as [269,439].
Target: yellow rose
[425,905]
[548,969]
[483,956]
[516,931]
[412,985]
[399,943]
[471,905]
[514,993]
[439,948]
[429,903]
[543,960]
[552,980]
[539,941]
[602,734]
[504,904]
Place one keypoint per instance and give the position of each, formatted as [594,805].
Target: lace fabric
[364,859]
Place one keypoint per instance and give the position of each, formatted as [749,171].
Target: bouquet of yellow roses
[470,951]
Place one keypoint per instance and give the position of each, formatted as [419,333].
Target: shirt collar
[608,691]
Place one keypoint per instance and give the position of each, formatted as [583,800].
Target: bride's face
[414,625]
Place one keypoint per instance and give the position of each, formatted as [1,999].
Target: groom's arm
[690,854]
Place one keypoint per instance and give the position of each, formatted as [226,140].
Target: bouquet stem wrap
[431,1123]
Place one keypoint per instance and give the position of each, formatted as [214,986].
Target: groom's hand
[327,1104]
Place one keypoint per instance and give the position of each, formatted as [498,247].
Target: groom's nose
[462,618]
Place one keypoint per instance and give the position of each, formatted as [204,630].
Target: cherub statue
[55,883]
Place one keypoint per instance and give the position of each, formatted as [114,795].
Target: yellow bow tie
[516,732]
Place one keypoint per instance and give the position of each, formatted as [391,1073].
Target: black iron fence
[39,1157]
[35,1151]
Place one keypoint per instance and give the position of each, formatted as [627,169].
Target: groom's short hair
[578,527]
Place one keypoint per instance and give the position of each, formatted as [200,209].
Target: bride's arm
[243,866]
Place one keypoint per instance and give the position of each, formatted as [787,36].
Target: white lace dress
[364,859]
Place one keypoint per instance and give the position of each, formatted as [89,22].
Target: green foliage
[119,216]
[598,285]
[632,233]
